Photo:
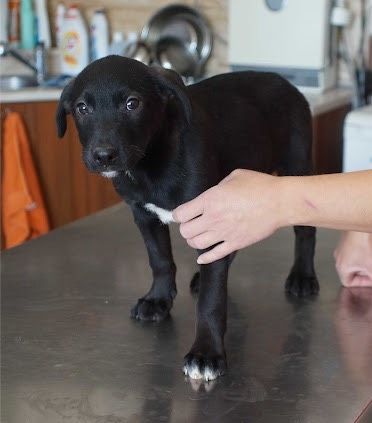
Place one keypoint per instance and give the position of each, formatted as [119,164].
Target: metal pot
[172,53]
[179,35]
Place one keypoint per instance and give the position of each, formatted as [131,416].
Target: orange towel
[23,212]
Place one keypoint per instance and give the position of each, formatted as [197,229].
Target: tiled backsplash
[131,15]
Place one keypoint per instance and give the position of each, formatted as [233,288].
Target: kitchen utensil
[172,53]
[140,51]
[186,25]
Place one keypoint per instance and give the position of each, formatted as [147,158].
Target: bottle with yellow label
[74,42]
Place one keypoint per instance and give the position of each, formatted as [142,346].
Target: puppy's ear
[172,85]
[63,109]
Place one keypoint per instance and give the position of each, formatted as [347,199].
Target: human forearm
[337,201]
[249,206]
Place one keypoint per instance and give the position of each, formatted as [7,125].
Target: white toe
[194,373]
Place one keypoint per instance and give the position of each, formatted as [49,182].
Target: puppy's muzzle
[105,156]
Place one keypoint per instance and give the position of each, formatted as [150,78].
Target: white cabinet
[358,140]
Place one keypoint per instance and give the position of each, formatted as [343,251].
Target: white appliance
[291,37]
[358,140]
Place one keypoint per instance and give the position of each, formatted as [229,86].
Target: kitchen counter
[319,103]
[31,94]
[70,351]
[330,100]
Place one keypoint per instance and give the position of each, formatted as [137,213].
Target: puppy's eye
[82,108]
[132,103]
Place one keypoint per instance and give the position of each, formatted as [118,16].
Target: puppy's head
[120,107]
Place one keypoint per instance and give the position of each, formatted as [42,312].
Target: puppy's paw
[204,366]
[195,283]
[151,309]
[301,286]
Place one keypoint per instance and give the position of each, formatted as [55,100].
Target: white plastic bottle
[43,28]
[58,22]
[75,44]
[99,35]
[118,45]
[4,21]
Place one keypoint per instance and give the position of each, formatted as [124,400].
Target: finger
[194,227]
[188,211]
[218,252]
[361,281]
[347,277]
[345,280]
[204,240]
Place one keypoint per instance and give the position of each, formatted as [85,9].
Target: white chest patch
[164,216]
[110,174]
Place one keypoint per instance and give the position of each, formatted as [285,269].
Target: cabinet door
[328,140]
[70,191]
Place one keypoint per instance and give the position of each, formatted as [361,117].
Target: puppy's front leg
[207,359]
[156,304]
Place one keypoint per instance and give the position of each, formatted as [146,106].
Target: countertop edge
[319,103]
[28,95]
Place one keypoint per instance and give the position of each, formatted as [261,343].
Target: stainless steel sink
[16,82]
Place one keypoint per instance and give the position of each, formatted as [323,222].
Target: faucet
[38,65]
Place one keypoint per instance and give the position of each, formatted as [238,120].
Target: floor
[70,352]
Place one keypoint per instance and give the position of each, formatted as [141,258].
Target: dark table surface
[70,352]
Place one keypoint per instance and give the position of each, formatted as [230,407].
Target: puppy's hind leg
[156,304]
[302,280]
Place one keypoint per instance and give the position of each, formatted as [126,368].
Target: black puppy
[163,144]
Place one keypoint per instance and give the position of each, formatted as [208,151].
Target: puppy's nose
[105,156]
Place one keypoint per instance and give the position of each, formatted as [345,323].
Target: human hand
[353,258]
[242,209]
